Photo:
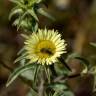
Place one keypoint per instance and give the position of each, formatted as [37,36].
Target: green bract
[25,13]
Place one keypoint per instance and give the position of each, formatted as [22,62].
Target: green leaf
[63,93]
[20,3]
[33,14]
[36,27]
[31,2]
[58,86]
[36,72]
[85,64]
[93,44]
[16,22]
[47,71]
[16,11]
[23,62]
[93,70]
[29,74]
[20,57]
[67,93]
[21,50]
[72,56]
[61,69]
[56,93]
[44,13]
[21,19]
[85,61]
[62,61]
[17,72]
[24,23]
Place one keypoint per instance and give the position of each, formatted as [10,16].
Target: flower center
[45,49]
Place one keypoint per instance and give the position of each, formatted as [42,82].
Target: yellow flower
[44,47]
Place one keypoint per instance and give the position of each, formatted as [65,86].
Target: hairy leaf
[33,14]
[17,72]
[93,44]
[44,13]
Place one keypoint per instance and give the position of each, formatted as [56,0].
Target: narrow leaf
[64,63]
[24,23]
[72,56]
[85,64]
[18,2]
[17,72]
[36,72]
[47,71]
[22,50]
[83,60]
[44,13]
[20,20]
[93,44]
[33,14]
[16,11]
[36,27]
[20,57]
[58,86]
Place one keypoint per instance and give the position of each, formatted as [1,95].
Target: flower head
[44,47]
